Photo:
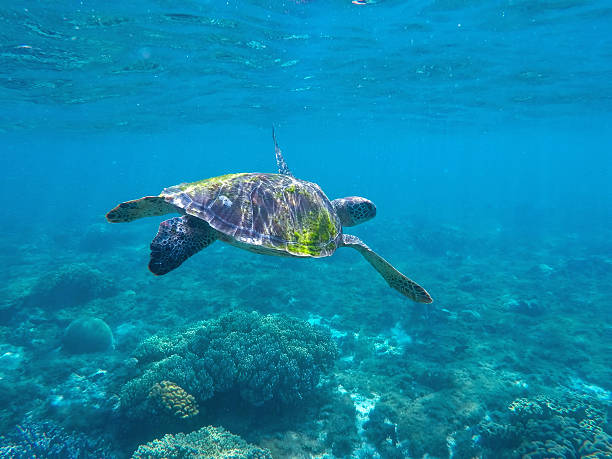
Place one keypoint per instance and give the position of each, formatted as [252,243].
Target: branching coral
[45,439]
[271,358]
[208,442]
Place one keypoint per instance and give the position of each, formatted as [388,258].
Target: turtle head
[354,210]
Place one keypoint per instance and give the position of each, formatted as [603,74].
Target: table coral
[265,358]
[209,442]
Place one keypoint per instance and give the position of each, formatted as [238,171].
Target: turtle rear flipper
[149,206]
[177,239]
[394,278]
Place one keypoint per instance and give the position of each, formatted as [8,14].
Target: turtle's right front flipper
[177,239]
[394,278]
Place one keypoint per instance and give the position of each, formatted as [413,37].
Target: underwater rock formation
[87,334]
[209,442]
[50,441]
[264,358]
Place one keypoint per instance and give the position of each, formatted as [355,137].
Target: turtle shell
[268,213]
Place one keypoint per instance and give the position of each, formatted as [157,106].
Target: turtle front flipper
[177,239]
[394,278]
[149,206]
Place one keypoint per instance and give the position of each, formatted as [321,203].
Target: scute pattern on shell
[268,213]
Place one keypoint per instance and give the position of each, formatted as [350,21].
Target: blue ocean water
[481,131]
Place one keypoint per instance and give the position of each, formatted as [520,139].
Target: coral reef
[11,358]
[47,440]
[529,307]
[414,377]
[87,334]
[82,402]
[174,399]
[567,425]
[209,442]
[341,431]
[70,285]
[381,431]
[270,358]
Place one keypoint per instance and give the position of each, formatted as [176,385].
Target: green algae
[293,189]
[211,182]
[316,231]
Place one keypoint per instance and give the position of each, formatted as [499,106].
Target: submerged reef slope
[264,358]
[517,320]
[208,442]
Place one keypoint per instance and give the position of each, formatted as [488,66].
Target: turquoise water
[480,130]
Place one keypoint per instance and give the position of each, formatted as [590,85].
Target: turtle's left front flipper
[149,206]
[177,239]
[394,278]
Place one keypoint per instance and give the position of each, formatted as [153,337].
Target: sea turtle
[271,214]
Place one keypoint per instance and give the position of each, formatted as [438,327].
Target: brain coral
[87,334]
[174,399]
[266,358]
[208,442]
